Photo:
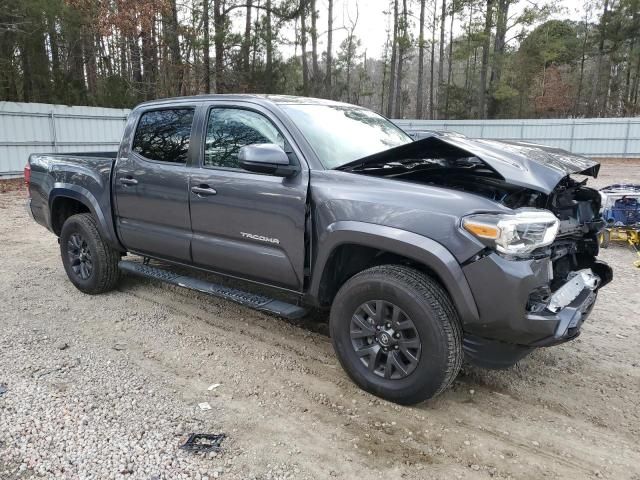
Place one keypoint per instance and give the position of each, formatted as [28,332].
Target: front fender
[84,196]
[421,249]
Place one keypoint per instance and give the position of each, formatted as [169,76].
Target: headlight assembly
[517,233]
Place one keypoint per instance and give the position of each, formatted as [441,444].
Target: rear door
[152,185]
[247,224]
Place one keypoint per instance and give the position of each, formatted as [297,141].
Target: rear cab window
[164,135]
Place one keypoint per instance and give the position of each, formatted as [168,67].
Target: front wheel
[396,333]
[91,264]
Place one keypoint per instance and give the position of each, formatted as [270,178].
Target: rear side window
[164,135]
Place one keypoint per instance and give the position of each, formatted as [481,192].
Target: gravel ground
[109,386]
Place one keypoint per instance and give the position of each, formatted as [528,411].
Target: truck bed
[84,176]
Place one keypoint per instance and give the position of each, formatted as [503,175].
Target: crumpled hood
[524,164]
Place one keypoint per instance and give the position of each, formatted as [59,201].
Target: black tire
[80,238]
[437,328]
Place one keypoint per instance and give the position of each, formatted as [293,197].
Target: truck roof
[258,98]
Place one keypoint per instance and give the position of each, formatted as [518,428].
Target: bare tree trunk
[255,42]
[148,67]
[269,59]
[206,62]
[124,70]
[105,64]
[303,45]
[450,63]
[502,14]
[314,45]
[394,58]
[576,105]
[384,71]
[134,51]
[627,93]
[55,52]
[36,50]
[8,75]
[595,95]
[89,53]
[327,79]
[627,83]
[170,25]
[635,89]
[443,16]
[153,44]
[246,41]
[432,111]
[482,96]
[218,42]
[27,90]
[420,87]
[349,66]
[467,73]
[402,47]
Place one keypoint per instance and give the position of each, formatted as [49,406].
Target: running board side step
[251,300]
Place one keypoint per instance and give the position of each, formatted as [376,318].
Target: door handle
[203,190]
[128,181]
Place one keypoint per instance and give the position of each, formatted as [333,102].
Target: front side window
[229,129]
[164,135]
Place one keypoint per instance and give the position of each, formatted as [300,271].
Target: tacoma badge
[262,238]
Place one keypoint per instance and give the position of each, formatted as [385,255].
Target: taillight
[27,175]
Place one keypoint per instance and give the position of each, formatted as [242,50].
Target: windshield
[342,134]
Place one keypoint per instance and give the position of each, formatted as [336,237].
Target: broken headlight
[517,233]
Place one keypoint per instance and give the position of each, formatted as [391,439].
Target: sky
[372,23]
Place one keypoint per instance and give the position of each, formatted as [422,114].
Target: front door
[246,224]
[152,186]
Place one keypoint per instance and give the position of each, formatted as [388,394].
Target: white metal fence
[37,127]
[594,137]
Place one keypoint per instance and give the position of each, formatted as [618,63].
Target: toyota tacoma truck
[424,252]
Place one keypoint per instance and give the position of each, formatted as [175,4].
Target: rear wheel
[91,264]
[396,333]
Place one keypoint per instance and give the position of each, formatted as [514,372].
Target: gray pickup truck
[424,251]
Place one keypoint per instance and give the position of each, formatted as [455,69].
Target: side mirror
[266,158]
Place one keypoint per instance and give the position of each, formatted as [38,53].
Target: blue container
[625,211]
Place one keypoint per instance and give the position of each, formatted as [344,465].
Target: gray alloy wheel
[79,256]
[385,339]
[396,333]
[90,262]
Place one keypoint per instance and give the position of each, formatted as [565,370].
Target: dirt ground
[289,411]
[11,184]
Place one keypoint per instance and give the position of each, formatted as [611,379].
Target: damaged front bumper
[509,326]
[568,309]
[582,280]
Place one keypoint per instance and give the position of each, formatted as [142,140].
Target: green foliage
[115,91]
[119,52]
[505,92]
[555,41]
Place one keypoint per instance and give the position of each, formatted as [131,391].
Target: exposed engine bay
[576,206]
